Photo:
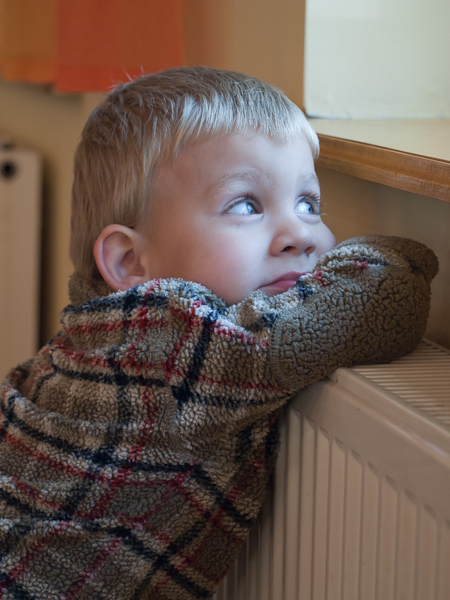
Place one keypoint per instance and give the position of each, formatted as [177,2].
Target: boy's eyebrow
[243,175]
[249,174]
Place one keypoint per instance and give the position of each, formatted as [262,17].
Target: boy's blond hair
[151,119]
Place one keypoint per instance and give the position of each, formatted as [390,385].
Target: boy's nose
[293,236]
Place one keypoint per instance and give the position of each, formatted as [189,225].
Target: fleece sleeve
[368,302]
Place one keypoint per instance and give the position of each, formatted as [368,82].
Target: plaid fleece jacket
[136,447]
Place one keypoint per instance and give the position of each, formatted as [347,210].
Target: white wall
[377,58]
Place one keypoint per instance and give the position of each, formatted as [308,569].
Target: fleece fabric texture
[136,447]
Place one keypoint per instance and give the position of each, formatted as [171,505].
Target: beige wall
[260,37]
[49,123]
[354,207]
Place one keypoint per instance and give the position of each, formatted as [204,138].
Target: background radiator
[20,222]
[361,503]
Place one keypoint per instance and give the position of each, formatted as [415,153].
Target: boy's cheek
[329,242]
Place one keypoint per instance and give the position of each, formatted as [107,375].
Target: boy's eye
[243,207]
[306,206]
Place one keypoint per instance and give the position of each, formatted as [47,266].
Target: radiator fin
[422,379]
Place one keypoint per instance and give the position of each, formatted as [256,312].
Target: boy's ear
[117,254]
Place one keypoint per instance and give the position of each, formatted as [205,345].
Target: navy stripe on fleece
[18,591]
[202,477]
[10,500]
[118,377]
[97,456]
[161,561]
[127,302]
[183,392]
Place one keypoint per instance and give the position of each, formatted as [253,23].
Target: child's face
[237,214]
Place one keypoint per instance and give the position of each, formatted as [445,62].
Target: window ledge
[410,155]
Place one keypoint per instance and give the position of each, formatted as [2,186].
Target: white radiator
[360,508]
[20,222]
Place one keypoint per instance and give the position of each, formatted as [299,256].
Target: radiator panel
[360,507]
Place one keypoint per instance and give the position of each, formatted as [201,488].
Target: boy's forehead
[220,140]
[224,135]
[233,157]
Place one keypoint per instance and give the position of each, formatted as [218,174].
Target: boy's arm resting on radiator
[369,303]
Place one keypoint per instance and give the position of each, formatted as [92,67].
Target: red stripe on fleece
[22,565]
[191,321]
[174,486]
[214,518]
[39,498]
[34,494]
[248,385]
[191,561]
[143,323]
[363,265]
[148,427]
[151,287]
[183,559]
[187,559]
[229,333]
[88,573]
[113,484]
[85,358]
[100,507]
[242,384]
[321,278]
[140,322]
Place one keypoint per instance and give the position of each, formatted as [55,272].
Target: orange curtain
[88,45]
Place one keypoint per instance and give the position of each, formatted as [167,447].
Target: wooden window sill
[408,155]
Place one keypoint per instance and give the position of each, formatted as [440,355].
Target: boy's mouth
[283,283]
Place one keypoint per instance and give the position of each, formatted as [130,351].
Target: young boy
[137,446]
